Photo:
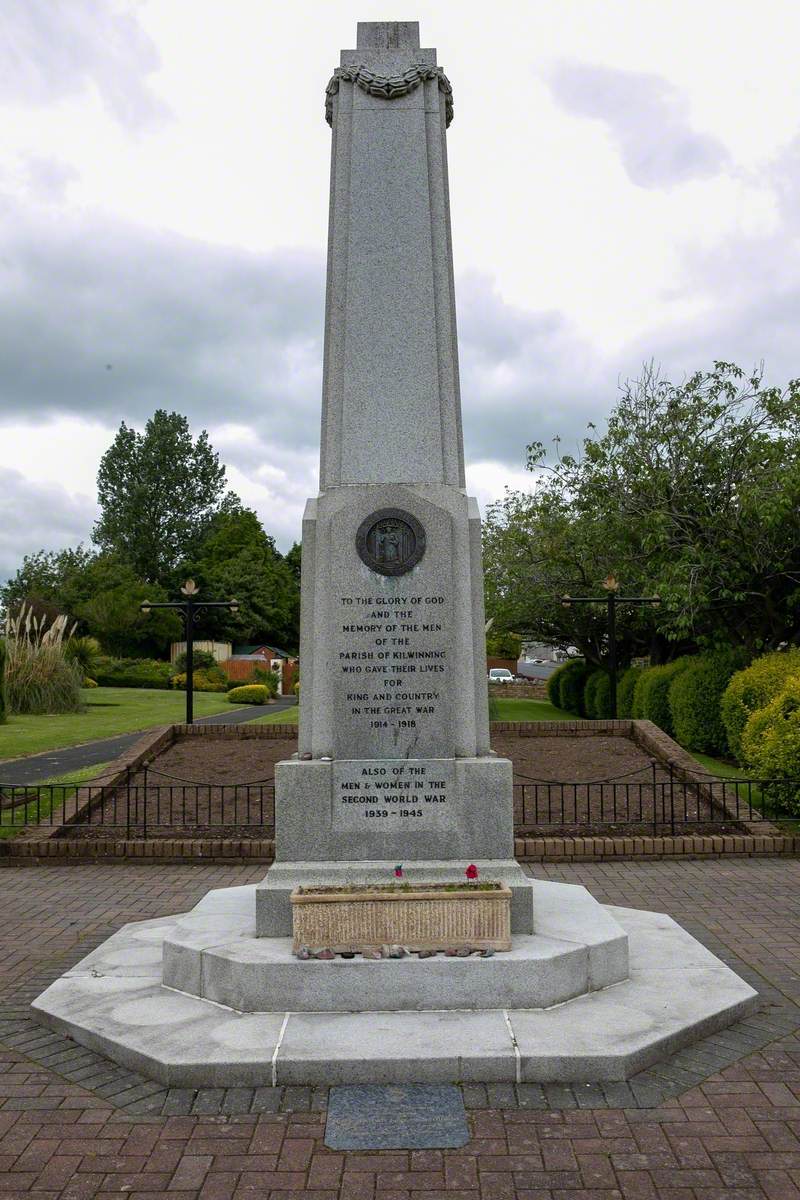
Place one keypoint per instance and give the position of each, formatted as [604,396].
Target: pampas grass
[2,682]
[39,678]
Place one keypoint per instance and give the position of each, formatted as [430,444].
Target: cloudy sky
[625,181]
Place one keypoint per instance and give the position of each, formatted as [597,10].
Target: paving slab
[416,1117]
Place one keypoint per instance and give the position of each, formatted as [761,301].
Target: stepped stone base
[213,953]
[117,1001]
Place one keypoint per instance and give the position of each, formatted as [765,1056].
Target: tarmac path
[36,767]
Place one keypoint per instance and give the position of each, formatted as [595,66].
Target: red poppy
[471,871]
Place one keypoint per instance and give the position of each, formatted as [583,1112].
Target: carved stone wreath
[390,541]
[389,86]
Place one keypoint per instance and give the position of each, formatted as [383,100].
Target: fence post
[671,801]
[655,810]
[144,817]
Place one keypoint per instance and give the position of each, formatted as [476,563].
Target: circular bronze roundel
[390,541]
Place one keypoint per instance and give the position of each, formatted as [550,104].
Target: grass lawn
[286,716]
[12,821]
[527,710]
[109,711]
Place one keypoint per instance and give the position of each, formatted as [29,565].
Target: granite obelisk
[394,763]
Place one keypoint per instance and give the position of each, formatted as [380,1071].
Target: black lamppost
[611,600]
[189,609]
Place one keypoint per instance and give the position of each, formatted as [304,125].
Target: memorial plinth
[394,764]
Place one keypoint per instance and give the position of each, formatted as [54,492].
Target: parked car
[500,675]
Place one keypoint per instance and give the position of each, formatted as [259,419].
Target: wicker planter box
[429,917]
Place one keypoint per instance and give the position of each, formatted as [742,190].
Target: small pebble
[304,953]
[348,953]
[371,954]
[426,953]
[393,952]
[487,953]
[450,953]
[463,952]
[325,954]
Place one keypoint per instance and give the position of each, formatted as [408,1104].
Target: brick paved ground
[718,1122]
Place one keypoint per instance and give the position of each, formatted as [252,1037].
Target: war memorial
[394,774]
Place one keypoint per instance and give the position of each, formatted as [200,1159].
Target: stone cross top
[391,404]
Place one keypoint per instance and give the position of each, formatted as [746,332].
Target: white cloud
[642,203]
[647,117]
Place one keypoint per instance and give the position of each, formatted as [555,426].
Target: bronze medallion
[390,541]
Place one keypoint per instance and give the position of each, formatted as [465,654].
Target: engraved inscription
[394,794]
[392,659]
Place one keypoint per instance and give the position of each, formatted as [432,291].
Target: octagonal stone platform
[117,1001]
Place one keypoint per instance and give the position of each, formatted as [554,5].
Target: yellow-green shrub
[202,681]
[89,683]
[771,741]
[752,689]
[251,693]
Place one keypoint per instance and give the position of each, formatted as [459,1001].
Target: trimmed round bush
[752,689]
[625,685]
[553,683]
[770,743]
[571,683]
[694,700]
[597,695]
[251,693]
[589,689]
[602,698]
[651,694]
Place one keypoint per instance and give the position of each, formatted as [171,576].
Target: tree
[236,558]
[503,645]
[692,493]
[98,592]
[113,617]
[157,491]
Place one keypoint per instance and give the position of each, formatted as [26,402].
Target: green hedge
[250,693]
[752,689]
[133,672]
[554,683]
[770,742]
[651,694]
[694,700]
[572,680]
[597,695]
[625,686]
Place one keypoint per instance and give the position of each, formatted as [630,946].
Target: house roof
[260,646]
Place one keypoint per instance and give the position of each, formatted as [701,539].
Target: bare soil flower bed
[202,785]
